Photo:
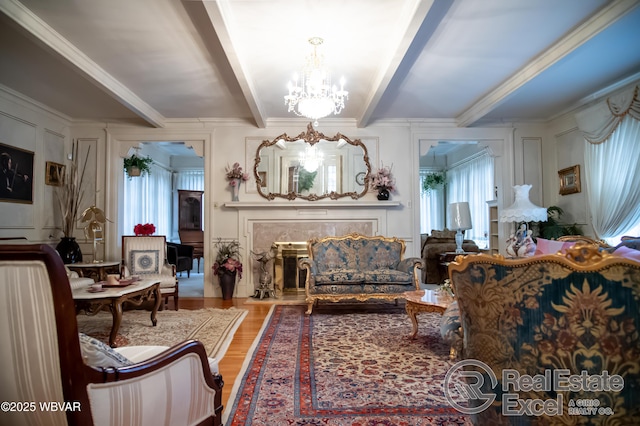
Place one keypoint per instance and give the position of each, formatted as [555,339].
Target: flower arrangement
[235,172]
[383,179]
[445,288]
[227,258]
[146,229]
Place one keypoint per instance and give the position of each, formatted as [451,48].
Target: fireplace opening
[289,278]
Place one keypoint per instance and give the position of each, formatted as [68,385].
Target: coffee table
[114,297]
[419,301]
[96,271]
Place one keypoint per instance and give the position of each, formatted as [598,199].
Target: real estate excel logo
[470,387]
[479,387]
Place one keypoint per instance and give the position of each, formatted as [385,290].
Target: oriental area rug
[343,367]
[213,327]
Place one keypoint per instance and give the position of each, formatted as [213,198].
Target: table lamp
[460,220]
[522,210]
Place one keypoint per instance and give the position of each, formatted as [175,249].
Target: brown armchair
[45,362]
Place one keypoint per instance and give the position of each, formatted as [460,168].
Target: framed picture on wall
[569,180]
[54,174]
[16,175]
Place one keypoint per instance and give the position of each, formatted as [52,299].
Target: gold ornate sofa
[578,312]
[358,267]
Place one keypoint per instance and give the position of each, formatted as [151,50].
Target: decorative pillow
[97,354]
[144,262]
[551,246]
[628,253]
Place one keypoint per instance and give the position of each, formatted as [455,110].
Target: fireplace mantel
[312,204]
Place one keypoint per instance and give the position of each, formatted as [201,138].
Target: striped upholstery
[42,362]
[151,399]
[29,349]
[166,272]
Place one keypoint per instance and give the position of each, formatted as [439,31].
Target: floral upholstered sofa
[576,314]
[358,267]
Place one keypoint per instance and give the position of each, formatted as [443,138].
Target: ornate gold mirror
[312,166]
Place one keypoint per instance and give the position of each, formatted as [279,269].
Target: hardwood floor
[232,361]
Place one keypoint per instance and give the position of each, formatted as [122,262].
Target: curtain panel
[612,163]
[472,181]
[599,122]
[147,199]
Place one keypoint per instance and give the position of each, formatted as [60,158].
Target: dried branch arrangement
[70,194]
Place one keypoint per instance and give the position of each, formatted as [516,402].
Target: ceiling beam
[215,10]
[90,70]
[606,16]
[417,13]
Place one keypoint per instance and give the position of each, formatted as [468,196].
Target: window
[431,207]
[147,199]
[472,181]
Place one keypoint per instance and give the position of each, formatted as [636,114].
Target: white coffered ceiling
[466,61]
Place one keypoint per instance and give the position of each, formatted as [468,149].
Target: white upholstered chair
[43,360]
[147,257]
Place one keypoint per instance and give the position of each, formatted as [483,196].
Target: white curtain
[431,207]
[147,199]
[472,181]
[192,180]
[612,164]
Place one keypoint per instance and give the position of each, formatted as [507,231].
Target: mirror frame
[312,137]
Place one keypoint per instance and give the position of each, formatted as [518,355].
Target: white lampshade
[523,210]
[459,216]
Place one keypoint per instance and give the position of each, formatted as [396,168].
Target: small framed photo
[569,180]
[54,174]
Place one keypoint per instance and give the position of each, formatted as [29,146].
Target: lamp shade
[459,216]
[523,210]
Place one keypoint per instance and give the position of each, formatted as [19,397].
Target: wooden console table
[114,297]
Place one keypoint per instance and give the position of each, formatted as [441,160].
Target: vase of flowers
[69,198]
[236,176]
[144,230]
[383,182]
[227,266]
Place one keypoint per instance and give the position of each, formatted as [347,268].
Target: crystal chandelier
[311,159]
[314,96]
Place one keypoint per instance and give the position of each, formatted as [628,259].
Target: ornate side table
[419,301]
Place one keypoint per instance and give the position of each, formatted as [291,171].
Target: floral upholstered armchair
[578,312]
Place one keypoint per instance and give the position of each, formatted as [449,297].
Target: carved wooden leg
[411,311]
[156,305]
[309,308]
[116,312]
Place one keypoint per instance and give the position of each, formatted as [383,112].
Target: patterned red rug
[344,367]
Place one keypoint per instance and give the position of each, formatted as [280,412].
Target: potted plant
[433,181]
[553,229]
[137,166]
[227,266]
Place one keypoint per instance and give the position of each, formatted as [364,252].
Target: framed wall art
[569,180]
[54,174]
[16,175]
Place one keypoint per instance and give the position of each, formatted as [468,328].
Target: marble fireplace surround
[261,228]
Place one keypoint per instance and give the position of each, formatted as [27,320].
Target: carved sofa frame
[358,267]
